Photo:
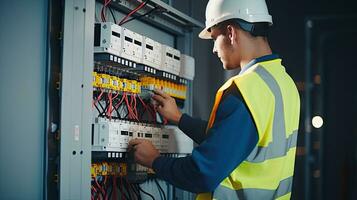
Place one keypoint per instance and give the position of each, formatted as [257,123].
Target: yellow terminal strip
[114,85]
[99,80]
[104,169]
[125,85]
[93,170]
[108,169]
[123,169]
[138,87]
[172,89]
[98,170]
[94,76]
[133,85]
[105,81]
[120,84]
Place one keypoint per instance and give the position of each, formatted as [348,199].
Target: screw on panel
[53,127]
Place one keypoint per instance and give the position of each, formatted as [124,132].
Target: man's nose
[214,50]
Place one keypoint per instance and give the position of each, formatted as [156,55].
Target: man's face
[224,49]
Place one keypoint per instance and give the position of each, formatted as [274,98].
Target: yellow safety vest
[273,100]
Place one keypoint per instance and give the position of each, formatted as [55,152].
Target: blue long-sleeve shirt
[226,144]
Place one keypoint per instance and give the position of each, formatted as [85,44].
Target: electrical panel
[127,68]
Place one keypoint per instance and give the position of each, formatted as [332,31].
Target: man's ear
[232,34]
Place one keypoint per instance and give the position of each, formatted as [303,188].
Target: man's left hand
[144,151]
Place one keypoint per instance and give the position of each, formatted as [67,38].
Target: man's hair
[255,29]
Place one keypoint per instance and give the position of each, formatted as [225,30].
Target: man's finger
[159,99]
[134,142]
[161,93]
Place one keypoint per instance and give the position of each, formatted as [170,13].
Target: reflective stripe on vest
[280,145]
[251,193]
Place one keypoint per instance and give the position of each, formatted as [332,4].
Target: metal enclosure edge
[76,91]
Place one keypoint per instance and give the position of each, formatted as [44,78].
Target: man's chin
[228,67]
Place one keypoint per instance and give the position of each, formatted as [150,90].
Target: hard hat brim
[205,34]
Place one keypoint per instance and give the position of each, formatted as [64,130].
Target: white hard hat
[251,11]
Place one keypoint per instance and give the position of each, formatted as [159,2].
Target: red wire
[130,114]
[104,10]
[135,110]
[132,107]
[99,187]
[127,105]
[109,112]
[93,190]
[145,106]
[99,97]
[111,105]
[114,188]
[121,188]
[105,182]
[121,100]
[142,102]
[132,12]
[102,16]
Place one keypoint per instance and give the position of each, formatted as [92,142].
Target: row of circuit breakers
[123,45]
[112,136]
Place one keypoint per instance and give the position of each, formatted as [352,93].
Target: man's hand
[144,151]
[167,106]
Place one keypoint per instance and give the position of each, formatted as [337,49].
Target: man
[247,148]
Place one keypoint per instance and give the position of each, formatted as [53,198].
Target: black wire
[103,109]
[97,108]
[136,191]
[140,189]
[127,188]
[140,16]
[111,11]
[104,113]
[117,109]
[160,188]
[109,195]
[124,193]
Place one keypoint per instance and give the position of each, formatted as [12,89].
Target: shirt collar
[258,60]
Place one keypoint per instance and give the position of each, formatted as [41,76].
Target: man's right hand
[167,106]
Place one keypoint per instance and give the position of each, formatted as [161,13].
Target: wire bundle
[126,19]
[124,106]
[118,187]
